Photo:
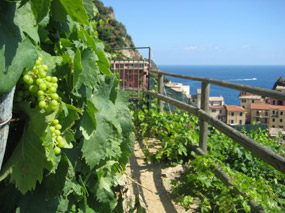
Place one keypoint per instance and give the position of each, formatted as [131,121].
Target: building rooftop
[216,98]
[250,97]
[280,108]
[260,106]
[234,108]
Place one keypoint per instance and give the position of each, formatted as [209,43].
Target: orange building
[235,115]
[260,113]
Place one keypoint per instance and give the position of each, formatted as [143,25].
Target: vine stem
[134,181]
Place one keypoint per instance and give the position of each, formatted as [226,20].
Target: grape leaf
[58,11]
[57,180]
[127,146]
[85,69]
[88,120]
[15,53]
[107,138]
[103,63]
[26,22]
[90,8]
[40,8]
[29,159]
[76,10]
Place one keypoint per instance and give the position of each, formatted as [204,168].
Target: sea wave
[244,79]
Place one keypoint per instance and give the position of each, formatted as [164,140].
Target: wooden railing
[270,157]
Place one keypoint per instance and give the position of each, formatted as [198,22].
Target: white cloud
[192,48]
[202,48]
[245,46]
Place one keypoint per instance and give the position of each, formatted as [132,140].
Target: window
[243,107]
[213,110]
[266,113]
[273,119]
[281,120]
[240,122]
[221,111]
[243,101]
[280,103]
[229,113]
[240,114]
[252,101]
[273,112]
[273,126]
[281,127]
[281,113]
[233,113]
[232,121]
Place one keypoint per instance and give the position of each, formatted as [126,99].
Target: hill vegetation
[112,32]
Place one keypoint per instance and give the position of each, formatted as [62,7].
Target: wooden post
[204,124]
[160,91]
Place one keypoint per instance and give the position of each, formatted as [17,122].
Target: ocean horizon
[262,76]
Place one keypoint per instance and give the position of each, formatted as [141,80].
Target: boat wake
[244,79]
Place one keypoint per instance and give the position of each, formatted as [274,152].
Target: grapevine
[38,88]
[66,97]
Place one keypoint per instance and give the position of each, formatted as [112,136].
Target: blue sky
[206,32]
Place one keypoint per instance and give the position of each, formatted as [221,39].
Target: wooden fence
[270,157]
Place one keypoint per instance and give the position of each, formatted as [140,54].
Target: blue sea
[257,76]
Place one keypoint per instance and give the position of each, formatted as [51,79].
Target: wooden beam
[204,124]
[254,90]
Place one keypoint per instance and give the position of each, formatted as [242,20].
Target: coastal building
[236,115]
[179,87]
[216,105]
[277,117]
[275,101]
[260,113]
[132,73]
[246,99]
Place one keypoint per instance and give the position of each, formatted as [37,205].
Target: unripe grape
[48,78]
[58,126]
[42,73]
[45,67]
[52,129]
[54,96]
[42,104]
[55,122]
[21,93]
[18,99]
[52,89]
[57,150]
[58,138]
[55,85]
[33,89]
[26,78]
[41,98]
[43,86]
[57,132]
[41,93]
[39,81]
[54,103]
[61,144]
[54,79]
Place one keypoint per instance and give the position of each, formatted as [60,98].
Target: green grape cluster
[39,88]
[58,141]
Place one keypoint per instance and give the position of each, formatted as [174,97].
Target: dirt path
[155,177]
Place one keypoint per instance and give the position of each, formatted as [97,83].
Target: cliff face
[114,33]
